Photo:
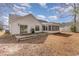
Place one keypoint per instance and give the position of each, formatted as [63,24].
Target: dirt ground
[60,44]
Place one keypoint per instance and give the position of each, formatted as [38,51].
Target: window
[49,27]
[23,29]
[37,28]
[43,28]
[46,28]
[55,28]
[52,28]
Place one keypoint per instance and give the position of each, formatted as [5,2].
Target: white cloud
[16,8]
[56,7]
[5,20]
[61,11]
[41,16]
[43,5]
[6,17]
[22,13]
[30,12]
[26,5]
[19,10]
[53,17]
[68,9]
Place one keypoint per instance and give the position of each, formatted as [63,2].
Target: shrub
[1,29]
[73,28]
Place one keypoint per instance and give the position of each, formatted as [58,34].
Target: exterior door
[23,29]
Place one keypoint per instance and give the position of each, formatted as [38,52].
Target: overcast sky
[43,11]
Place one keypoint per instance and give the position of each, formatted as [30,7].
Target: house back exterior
[29,23]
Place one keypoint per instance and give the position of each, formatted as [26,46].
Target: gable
[14,18]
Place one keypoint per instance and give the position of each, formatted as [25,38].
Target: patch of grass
[73,28]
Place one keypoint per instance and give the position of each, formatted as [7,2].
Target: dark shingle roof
[43,21]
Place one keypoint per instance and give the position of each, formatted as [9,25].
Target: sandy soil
[52,45]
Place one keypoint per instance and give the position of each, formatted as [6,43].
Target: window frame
[49,27]
[37,28]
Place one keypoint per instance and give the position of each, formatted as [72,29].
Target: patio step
[33,36]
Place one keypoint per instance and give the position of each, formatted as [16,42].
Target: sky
[51,12]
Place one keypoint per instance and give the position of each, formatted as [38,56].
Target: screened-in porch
[50,28]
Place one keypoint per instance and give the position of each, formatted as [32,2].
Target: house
[30,24]
[6,28]
[66,27]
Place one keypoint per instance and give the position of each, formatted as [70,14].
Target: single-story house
[66,27]
[29,24]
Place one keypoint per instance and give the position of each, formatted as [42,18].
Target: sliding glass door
[23,29]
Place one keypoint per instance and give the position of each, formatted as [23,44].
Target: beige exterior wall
[65,29]
[29,20]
